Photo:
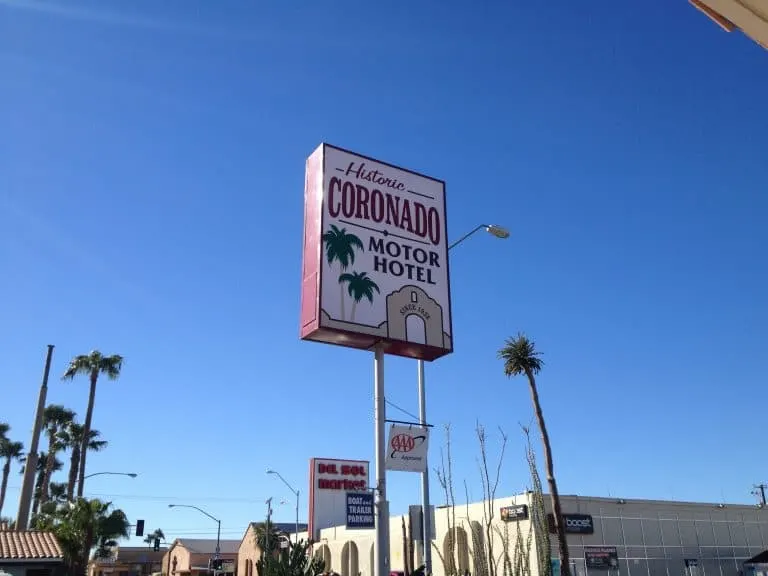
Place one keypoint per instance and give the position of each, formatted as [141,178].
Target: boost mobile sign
[407,449]
[375,266]
[574,523]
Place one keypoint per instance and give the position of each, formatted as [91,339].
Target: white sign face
[329,482]
[384,271]
[407,448]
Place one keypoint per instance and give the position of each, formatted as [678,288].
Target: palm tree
[4,429]
[91,365]
[340,246]
[9,451]
[55,418]
[80,526]
[262,529]
[521,358]
[149,539]
[359,286]
[72,438]
[42,463]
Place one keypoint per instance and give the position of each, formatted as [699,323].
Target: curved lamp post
[296,492]
[129,474]
[501,233]
[218,522]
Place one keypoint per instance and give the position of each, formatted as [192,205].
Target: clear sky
[151,187]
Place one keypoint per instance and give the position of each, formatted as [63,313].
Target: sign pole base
[381,545]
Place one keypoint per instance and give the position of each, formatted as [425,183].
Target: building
[30,553]
[749,16]
[607,536]
[249,551]
[128,561]
[189,557]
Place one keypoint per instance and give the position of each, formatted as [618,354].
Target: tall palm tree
[55,418]
[340,247]
[72,438]
[9,451]
[521,358]
[359,286]
[92,365]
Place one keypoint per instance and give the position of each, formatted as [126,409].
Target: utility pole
[30,466]
[759,490]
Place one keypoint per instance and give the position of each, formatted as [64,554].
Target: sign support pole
[426,518]
[381,546]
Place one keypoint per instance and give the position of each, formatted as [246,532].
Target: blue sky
[151,186]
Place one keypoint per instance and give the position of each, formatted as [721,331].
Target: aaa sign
[375,256]
[407,449]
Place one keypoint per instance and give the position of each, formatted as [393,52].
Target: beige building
[749,16]
[128,561]
[189,557]
[641,537]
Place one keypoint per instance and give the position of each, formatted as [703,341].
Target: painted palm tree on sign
[340,247]
[9,451]
[521,358]
[72,438]
[92,365]
[55,418]
[359,286]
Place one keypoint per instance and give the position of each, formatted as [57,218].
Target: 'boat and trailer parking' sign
[360,510]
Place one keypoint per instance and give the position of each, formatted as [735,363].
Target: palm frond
[520,356]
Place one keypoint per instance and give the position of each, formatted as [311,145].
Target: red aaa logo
[405,442]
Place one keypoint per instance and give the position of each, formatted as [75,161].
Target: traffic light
[156,545]
[139,527]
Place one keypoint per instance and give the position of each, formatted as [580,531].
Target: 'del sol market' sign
[375,263]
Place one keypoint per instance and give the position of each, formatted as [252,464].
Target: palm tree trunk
[352,314]
[74,466]
[565,562]
[87,434]
[48,472]
[341,287]
[4,485]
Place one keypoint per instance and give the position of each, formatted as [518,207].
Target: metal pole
[297,517]
[30,467]
[381,546]
[218,539]
[426,517]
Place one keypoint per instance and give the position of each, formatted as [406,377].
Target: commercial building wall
[652,538]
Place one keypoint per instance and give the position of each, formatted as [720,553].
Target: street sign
[360,510]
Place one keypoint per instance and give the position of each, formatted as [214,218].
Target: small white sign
[407,448]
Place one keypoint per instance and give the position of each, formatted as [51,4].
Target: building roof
[208,546]
[133,555]
[749,16]
[29,545]
[284,527]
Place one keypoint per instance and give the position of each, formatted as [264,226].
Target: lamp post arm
[291,488]
[467,235]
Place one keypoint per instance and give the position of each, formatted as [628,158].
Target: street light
[218,522]
[130,474]
[276,473]
[503,234]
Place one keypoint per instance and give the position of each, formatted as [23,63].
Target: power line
[160,498]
